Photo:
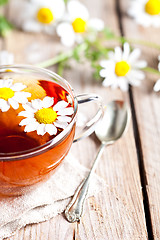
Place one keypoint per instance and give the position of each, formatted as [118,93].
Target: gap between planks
[142,171]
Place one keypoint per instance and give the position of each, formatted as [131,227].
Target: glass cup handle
[91,124]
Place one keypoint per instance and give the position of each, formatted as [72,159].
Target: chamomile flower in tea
[122,68]
[45,116]
[11,94]
[146,12]
[77,24]
[32,112]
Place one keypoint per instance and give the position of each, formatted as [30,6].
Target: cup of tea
[38,114]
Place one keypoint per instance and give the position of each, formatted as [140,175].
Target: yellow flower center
[6,93]
[45,16]
[122,68]
[8,70]
[46,115]
[79,25]
[152,7]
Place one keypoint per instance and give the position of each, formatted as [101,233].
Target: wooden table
[130,206]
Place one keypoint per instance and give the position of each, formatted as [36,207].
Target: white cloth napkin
[47,200]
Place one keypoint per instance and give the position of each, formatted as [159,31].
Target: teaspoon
[112,126]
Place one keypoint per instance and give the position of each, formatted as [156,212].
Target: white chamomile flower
[11,95]
[77,24]
[6,58]
[39,15]
[156,87]
[122,68]
[145,12]
[43,116]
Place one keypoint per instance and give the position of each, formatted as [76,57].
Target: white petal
[77,9]
[27,120]
[41,129]
[51,129]
[134,55]
[107,82]
[47,102]
[31,127]
[68,41]
[123,84]
[18,87]
[110,69]
[63,29]
[114,86]
[7,82]
[64,118]
[1,83]
[66,111]
[60,124]
[104,63]
[4,106]
[32,26]
[26,114]
[133,81]
[60,105]
[137,74]
[126,51]
[37,104]
[96,23]
[21,97]
[118,54]
[103,72]
[58,8]
[28,107]
[139,64]
[13,103]
[156,87]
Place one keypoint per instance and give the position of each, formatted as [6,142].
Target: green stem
[61,68]
[59,58]
[151,70]
[62,56]
[137,41]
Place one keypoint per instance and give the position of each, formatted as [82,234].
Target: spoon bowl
[110,128]
[114,122]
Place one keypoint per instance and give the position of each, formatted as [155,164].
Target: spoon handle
[74,209]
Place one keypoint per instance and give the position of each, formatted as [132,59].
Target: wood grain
[148,115]
[117,213]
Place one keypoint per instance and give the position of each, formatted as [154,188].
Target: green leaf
[5,26]
[2,2]
[97,69]
[76,54]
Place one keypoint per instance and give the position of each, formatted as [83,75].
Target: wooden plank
[148,115]
[118,212]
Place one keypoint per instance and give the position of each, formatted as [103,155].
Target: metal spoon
[112,126]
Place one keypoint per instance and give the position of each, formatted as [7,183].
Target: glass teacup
[38,112]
